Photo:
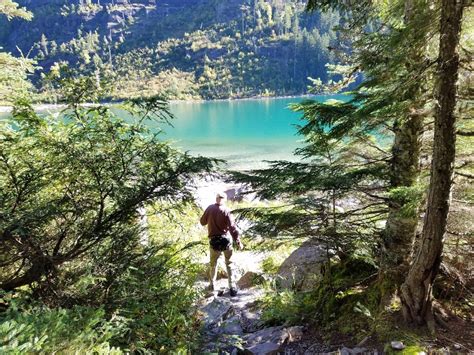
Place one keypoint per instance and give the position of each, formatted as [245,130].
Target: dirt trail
[233,325]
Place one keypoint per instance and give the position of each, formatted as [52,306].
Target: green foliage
[13,77]
[286,307]
[71,189]
[154,301]
[175,223]
[271,264]
[72,185]
[148,307]
[31,328]
[11,9]
[342,294]
[225,50]
[409,350]
[14,71]
[409,197]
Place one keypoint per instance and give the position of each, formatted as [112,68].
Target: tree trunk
[400,228]
[41,266]
[416,290]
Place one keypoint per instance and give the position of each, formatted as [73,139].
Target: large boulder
[304,267]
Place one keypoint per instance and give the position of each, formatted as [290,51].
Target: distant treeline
[189,49]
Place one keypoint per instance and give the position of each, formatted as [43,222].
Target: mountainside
[187,48]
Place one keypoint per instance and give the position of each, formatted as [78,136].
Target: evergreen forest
[186,49]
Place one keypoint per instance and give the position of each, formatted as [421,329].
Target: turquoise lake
[243,132]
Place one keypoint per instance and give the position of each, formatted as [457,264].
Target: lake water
[243,132]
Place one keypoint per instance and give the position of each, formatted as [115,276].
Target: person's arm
[204,217]
[234,232]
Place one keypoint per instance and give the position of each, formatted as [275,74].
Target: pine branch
[466,175]
[465,133]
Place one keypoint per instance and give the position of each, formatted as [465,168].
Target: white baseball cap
[221,195]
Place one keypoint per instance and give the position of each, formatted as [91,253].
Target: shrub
[70,188]
[154,299]
[37,328]
[69,193]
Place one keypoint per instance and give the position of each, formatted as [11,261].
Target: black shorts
[221,242]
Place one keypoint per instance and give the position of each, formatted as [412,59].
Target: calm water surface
[243,132]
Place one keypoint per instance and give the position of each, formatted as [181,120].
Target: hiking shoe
[233,292]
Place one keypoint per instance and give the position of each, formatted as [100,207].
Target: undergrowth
[341,302]
[143,304]
[345,303]
[34,328]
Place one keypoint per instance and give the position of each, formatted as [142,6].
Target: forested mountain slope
[189,48]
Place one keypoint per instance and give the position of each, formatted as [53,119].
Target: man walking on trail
[219,222]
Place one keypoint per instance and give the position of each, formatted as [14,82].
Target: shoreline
[192,101]
[46,107]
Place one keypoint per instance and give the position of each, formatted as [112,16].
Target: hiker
[219,222]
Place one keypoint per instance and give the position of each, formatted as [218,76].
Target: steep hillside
[188,48]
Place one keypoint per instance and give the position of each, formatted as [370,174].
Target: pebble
[397,345]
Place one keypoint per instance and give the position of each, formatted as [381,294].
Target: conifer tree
[389,102]
[71,188]
[416,291]
[391,45]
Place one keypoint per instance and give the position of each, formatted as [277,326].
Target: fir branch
[466,175]
[465,133]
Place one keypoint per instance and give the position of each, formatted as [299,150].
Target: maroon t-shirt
[219,221]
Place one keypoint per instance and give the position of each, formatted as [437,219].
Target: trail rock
[270,340]
[224,344]
[304,267]
[232,326]
[216,311]
[246,298]
[265,341]
[249,279]
[251,321]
